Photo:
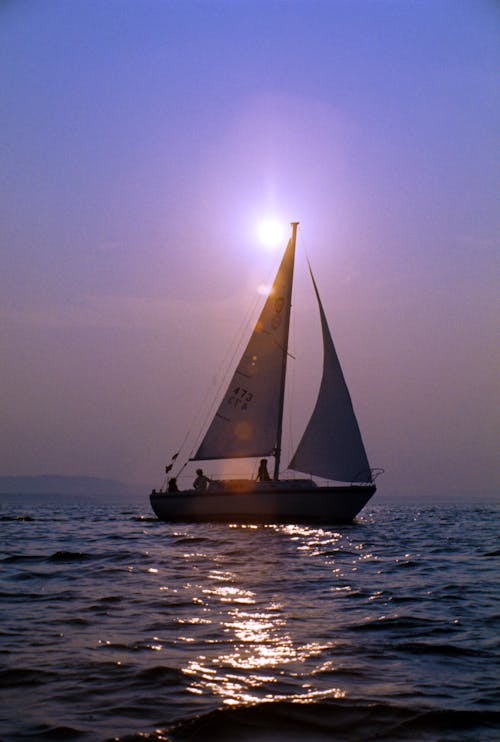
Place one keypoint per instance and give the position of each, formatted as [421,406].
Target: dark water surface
[117,626]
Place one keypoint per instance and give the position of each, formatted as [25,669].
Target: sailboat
[248,424]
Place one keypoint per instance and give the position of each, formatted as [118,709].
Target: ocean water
[115,626]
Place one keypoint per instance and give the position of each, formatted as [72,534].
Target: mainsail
[248,420]
[331,446]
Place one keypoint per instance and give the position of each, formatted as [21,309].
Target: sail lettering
[240,398]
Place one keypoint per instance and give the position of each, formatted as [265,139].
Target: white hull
[265,503]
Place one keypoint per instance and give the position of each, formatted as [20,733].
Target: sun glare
[271,233]
[264,289]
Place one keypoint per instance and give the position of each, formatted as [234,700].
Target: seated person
[263,474]
[201,482]
[172,485]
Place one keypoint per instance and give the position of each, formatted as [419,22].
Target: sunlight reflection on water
[258,640]
[391,610]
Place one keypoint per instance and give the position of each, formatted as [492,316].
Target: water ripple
[119,627]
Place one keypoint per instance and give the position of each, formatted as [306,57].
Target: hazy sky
[141,143]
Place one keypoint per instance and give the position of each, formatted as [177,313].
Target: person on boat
[263,474]
[201,482]
[172,485]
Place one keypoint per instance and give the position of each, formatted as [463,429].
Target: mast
[277,451]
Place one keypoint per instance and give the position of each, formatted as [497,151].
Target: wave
[404,598]
[111,626]
[137,646]
[159,675]
[16,517]
[22,676]
[395,622]
[448,650]
[338,552]
[23,558]
[49,733]
[58,556]
[77,621]
[191,540]
[282,721]
[69,556]
[22,597]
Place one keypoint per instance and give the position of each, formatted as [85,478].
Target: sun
[270,233]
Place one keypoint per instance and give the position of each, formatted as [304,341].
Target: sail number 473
[240,398]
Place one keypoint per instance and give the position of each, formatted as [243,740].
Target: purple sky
[142,142]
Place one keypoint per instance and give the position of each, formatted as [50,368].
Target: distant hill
[53,484]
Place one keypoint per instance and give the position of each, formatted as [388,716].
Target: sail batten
[247,422]
[331,446]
